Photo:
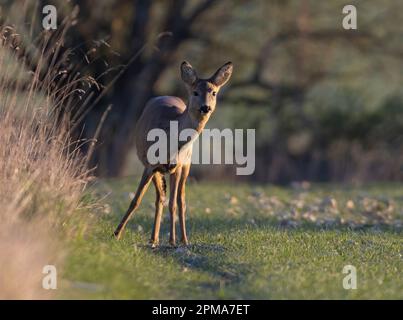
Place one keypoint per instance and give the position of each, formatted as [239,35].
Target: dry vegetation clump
[41,171]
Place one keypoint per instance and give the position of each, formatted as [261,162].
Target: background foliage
[325,102]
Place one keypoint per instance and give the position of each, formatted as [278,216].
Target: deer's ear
[188,74]
[222,75]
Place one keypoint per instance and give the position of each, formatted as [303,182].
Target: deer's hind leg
[141,190]
[160,189]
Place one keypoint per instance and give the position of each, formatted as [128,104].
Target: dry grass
[41,172]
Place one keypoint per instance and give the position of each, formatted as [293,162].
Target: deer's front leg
[173,194]
[182,203]
[159,183]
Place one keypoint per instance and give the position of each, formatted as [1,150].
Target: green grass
[246,242]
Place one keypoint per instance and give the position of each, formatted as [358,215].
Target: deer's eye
[195,93]
[214,93]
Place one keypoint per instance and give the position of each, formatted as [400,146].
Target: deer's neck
[188,122]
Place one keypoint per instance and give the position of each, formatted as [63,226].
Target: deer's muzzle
[205,109]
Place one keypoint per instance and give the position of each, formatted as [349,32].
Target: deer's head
[203,92]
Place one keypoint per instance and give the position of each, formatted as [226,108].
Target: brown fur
[158,113]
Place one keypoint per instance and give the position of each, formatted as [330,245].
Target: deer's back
[157,113]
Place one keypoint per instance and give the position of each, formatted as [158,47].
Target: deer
[158,113]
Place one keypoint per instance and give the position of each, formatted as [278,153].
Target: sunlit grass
[243,249]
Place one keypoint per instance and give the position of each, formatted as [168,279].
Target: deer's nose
[205,109]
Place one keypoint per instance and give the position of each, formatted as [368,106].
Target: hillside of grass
[246,243]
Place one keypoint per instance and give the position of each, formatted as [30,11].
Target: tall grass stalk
[42,173]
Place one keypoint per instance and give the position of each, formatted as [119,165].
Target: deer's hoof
[116,235]
[154,244]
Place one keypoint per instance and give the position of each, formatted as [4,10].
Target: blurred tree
[148,35]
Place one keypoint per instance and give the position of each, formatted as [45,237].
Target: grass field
[257,242]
